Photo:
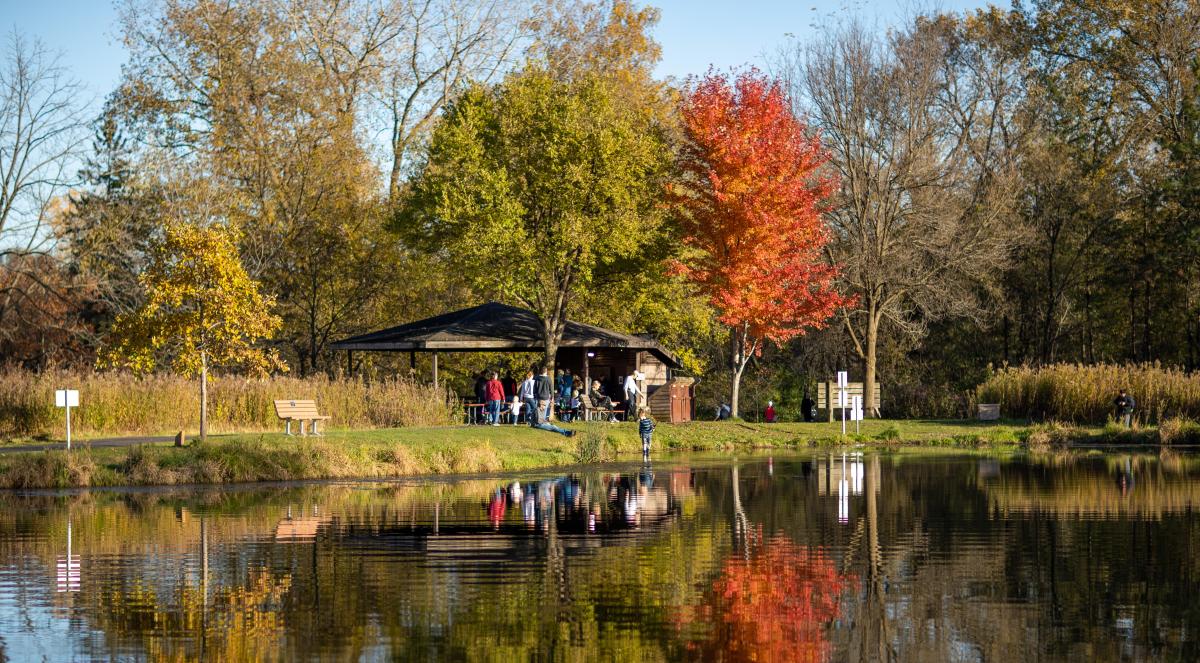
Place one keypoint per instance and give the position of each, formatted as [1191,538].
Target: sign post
[67,398]
[856,412]
[843,383]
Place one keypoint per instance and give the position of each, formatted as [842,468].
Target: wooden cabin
[586,350]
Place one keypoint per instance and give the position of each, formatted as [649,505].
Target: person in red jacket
[770,413]
[493,391]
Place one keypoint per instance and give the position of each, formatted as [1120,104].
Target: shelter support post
[349,363]
[435,370]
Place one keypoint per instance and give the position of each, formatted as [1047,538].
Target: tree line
[1008,185]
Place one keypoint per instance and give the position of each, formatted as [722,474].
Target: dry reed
[1084,394]
[114,403]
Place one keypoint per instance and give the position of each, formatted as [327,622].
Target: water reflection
[814,558]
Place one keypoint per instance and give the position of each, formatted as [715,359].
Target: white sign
[856,411]
[66,398]
[843,382]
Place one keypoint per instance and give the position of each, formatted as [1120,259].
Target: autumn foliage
[750,208]
[773,605]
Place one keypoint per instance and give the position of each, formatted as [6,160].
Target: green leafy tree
[201,309]
[541,189]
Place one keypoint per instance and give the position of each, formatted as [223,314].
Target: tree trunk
[870,407]
[739,358]
[203,397]
[734,389]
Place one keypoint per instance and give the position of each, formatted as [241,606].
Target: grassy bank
[398,452]
[118,404]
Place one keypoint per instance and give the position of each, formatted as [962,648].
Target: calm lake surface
[909,557]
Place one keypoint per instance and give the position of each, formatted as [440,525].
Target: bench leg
[303,428]
[287,426]
[314,428]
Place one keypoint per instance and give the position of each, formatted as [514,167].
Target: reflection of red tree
[773,606]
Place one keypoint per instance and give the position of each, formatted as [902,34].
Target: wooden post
[412,364]
[349,363]
[435,369]
[829,400]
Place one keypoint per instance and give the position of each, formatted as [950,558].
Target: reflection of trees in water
[238,622]
[417,571]
[775,604]
[1136,486]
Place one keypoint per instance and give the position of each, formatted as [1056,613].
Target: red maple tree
[750,203]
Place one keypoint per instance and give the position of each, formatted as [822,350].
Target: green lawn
[461,449]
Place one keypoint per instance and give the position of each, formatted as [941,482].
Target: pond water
[909,557]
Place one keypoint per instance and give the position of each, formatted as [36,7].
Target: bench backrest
[296,409]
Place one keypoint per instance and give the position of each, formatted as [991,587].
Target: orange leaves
[751,204]
[772,606]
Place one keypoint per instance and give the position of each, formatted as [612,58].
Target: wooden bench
[585,403]
[302,411]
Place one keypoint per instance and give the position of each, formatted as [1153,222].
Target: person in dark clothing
[544,391]
[481,395]
[806,408]
[480,381]
[1125,405]
[510,384]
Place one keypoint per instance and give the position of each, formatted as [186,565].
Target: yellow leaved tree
[201,310]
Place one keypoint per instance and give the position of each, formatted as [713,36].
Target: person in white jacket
[632,392]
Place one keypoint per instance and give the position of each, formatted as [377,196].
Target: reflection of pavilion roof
[482,542]
[494,327]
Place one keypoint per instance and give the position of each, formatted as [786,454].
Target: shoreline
[398,453]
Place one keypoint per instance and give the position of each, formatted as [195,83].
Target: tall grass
[121,404]
[1084,394]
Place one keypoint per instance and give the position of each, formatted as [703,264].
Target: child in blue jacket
[645,429]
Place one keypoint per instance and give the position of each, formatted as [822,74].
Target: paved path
[95,444]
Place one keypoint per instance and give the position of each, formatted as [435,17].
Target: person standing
[645,429]
[631,393]
[480,397]
[493,392]
[769,415]
[806,409]
[1125,405]
[529,398]
[544,392]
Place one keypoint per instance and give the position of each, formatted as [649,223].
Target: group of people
[532,400]
[536,397]
[564,395]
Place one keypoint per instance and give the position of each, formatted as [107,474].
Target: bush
[890,434]
[114,403]
[1084,394]
[594,445]
[1178,431]
[50,469]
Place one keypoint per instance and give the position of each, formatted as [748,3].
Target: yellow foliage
[201,307]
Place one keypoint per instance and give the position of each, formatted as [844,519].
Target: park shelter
[586,350]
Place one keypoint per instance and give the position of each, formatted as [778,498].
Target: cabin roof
[495,327]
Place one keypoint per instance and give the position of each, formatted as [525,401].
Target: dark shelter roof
[494,327]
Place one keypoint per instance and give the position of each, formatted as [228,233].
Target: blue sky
[693,33]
